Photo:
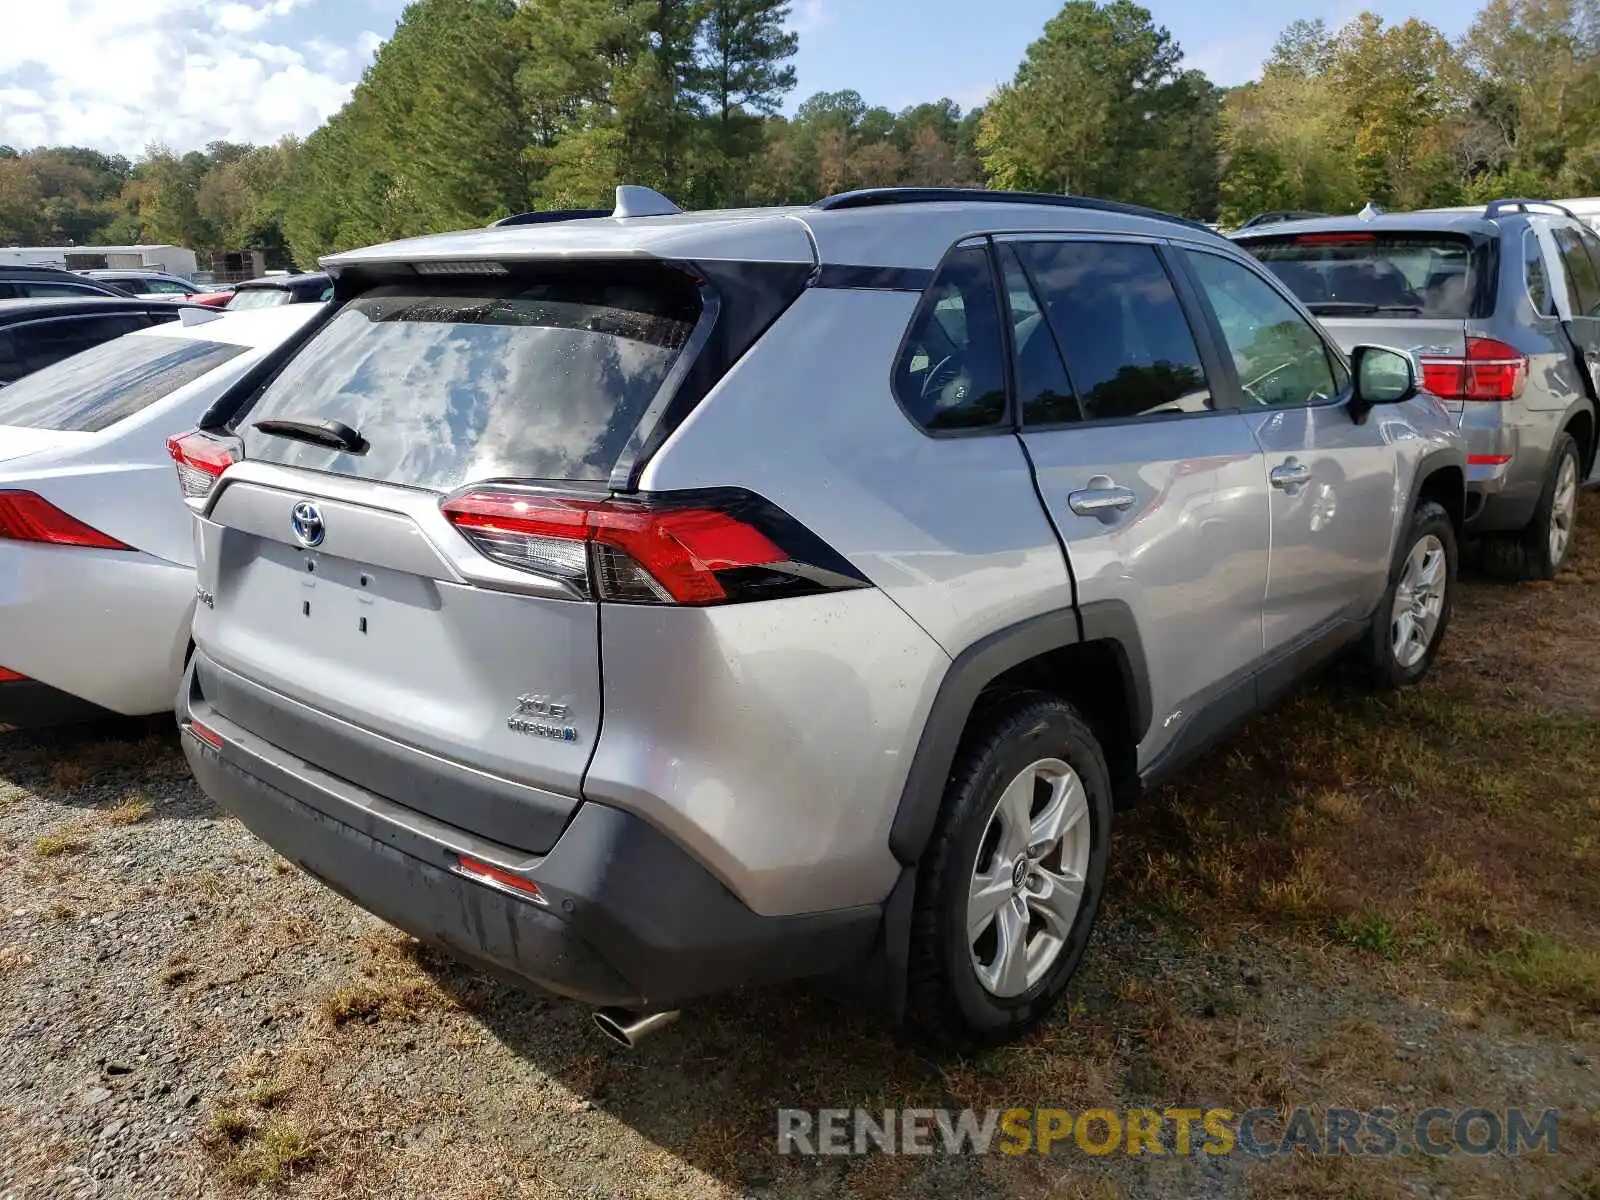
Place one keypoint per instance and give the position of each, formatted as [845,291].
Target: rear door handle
[1291,474]
[1102,498]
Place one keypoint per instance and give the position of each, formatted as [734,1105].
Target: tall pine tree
[742,75]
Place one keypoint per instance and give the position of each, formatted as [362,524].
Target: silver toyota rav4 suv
[648,605]
[1502,305]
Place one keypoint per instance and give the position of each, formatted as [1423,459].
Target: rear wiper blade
[1355,306]
[335,435]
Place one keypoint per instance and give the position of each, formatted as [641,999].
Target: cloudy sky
[118,74]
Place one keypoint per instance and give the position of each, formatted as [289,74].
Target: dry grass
[392,986]
[64,840]
[130,812]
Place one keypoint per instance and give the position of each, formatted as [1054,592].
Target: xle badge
[539,716]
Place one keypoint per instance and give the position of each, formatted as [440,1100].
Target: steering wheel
[1249,388]
[940,376]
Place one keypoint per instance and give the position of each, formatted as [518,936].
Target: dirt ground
[1358,901]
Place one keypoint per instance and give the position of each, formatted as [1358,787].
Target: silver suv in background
[653,604]
[1502,304]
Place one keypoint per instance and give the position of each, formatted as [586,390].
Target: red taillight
[1491,370]
[9,676]
[201,459]
[1488,460]
[206,734]
[496,877]
[26,517]
[707,549]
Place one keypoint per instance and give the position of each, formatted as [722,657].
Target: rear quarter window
[1392,274]
[451,381]
[113,381]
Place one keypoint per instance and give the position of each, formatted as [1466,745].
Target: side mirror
[1383,376]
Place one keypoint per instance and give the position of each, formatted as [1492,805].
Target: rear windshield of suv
[451,381]
[109,383]
[1360,273]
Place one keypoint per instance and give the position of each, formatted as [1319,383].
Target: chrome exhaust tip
[628,1028]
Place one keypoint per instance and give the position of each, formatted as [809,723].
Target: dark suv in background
[1502,305]
[19,281]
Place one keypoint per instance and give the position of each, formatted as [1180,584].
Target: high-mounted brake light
[1335,239]
[692,549]
[9,676]
[28,517]
[1490,370]
[201,459]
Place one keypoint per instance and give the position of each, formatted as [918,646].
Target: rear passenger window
[951,372]
[42,290]
[1280,360]
[1042,385]
[1533,274]
[1582,278]
[1127,342]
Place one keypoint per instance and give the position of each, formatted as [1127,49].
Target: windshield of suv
[109,383]
[1361,273]
[452,381]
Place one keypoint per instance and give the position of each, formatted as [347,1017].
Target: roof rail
[1287,214]
[1495,207]
[882,197]
[551,216]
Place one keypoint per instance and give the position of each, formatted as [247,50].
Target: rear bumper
[627,918]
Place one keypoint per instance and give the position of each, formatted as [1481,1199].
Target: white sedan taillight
[29,517]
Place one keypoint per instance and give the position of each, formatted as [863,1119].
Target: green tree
[1533,92]
[1100,107]
[739,76]
[432,139]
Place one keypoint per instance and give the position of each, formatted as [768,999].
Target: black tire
[1526,555]
[946,1002]
[1384,669]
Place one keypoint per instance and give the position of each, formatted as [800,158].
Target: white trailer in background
[174,260]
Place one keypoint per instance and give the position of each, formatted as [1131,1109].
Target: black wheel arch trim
[1431,463]
[974,669]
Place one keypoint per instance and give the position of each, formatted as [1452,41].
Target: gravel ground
[183,1014]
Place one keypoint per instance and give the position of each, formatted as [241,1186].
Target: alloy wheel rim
[1418,602]
[1564,511]
[1027,881]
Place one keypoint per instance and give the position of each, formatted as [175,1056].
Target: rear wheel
[1009,887]
[1410,623]
[1541,549]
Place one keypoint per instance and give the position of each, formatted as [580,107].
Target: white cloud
[120,74]
[807,15]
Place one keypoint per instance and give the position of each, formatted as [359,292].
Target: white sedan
[97,580]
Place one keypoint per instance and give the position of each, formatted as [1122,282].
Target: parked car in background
[1585,208]
[1503,305]
[1276,217]
[213,296]
[36,333]
[96,552]
[281,289]
[653,605]
[21,282]
[147,285]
